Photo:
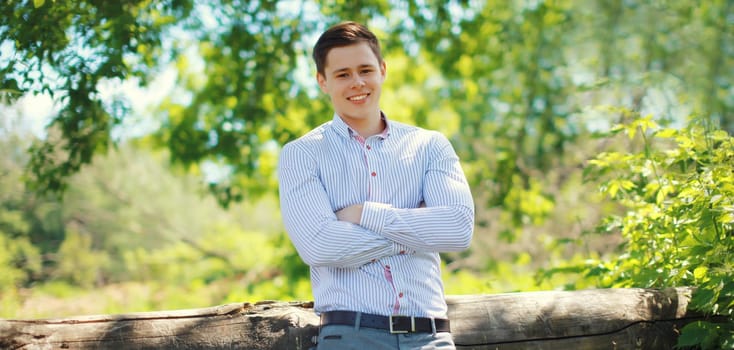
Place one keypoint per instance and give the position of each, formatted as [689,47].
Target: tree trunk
[583,320]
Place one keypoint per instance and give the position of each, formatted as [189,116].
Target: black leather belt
[394,324]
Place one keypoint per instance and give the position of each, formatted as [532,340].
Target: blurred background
[139,140]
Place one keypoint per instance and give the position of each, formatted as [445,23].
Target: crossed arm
[363,232]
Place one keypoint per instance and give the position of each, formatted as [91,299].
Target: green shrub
[677,196]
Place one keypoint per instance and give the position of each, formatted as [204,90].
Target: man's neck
[367,127]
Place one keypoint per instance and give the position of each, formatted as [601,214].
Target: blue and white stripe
[331,168]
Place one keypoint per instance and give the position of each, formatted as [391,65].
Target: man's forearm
[435,229]
[352,213]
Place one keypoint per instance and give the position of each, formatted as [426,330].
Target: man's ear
[383,70]
[321,79]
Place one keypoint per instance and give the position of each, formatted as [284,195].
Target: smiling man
[369,204]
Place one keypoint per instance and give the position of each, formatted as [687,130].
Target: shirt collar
[344,130]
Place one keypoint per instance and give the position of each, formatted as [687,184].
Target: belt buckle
[400,331]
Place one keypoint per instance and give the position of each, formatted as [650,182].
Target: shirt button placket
[370,162]
[368,148]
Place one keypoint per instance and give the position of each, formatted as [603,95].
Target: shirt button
[369,147]
[387,267]
[401,294]
[374,173]
[402,252]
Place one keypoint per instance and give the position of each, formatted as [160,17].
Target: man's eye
[343,75]
[366,71]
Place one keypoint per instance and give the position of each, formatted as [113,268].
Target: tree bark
[585,320]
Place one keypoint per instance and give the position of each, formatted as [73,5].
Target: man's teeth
[358,98]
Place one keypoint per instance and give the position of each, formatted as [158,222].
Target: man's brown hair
[343,34]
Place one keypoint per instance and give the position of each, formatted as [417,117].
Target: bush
[677,195]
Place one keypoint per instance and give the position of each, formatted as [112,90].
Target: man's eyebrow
[361,66]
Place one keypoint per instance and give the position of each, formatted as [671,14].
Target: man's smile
[358,97]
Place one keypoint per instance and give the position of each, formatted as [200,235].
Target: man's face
[353,78]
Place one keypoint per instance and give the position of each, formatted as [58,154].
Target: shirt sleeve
[319,238]
[447,221]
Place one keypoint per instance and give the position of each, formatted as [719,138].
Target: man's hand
[352,213]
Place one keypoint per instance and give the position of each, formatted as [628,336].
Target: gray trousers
[337,337]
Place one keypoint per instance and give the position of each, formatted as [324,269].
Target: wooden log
[585,320]
[265,325]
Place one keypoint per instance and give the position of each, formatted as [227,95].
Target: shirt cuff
[375,216]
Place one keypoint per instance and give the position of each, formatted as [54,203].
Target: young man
[369,203]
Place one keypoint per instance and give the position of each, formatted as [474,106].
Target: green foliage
[78,263]
[67,49]
[136,237]
[20,211]
[677,195]
[516,85]
[19,259]
[707,335]
[507,80]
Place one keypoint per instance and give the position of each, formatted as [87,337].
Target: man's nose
[358,81]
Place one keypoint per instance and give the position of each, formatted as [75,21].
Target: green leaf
[700,272]
[38,3]
[666,133]
[696,333]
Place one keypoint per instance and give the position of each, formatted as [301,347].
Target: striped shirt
[389,263]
